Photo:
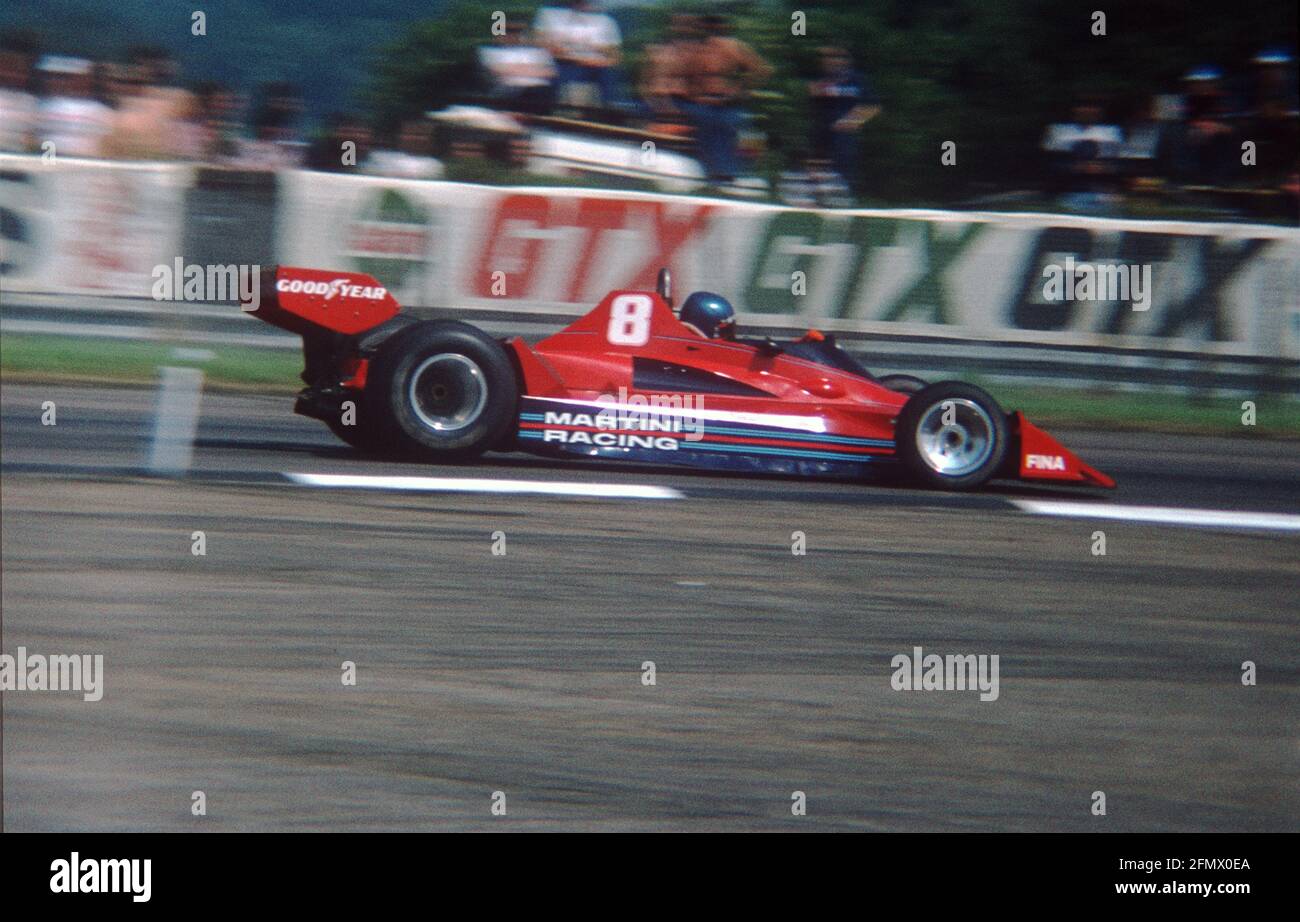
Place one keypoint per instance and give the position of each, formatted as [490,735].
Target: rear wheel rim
[447,392]
[955,437]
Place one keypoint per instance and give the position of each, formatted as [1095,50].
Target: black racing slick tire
[951,436]
[903,384]
[442,390]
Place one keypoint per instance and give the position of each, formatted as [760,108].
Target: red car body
[628,380]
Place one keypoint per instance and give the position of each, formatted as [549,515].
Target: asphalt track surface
[523,673]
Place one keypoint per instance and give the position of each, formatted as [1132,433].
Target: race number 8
[629,320]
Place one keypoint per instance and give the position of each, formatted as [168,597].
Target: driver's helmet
[711,315]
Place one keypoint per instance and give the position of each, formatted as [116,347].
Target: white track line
[487,485]
[1164,515]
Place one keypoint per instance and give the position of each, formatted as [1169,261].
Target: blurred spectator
[1206,152]
[19,110]
[69,115]
[1144,129]
[215,127]
[519,72]
[1144,154]
[343,147]
[1290,189]
[842,102]
[274,145]
[154,119]
[413,157]
[720,72]
[1084,155]
[113,82]
[1085,134]
[1275,83]
[278,110]
[664,79]
[585,46]
[1274,115]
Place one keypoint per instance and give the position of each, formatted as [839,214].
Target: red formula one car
[631,381]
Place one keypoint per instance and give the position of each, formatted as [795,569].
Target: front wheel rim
[447,392]
[955,437]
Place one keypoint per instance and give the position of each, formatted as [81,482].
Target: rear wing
[305,301]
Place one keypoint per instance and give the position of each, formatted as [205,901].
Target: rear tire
[359,435]
[442,390]
[952,436]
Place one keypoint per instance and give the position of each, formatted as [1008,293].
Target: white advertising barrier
[442,244]
[1231,290]
[87,226]
[1206,291]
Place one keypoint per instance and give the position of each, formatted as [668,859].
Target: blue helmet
[711,314]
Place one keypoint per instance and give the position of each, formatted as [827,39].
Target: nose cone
[1044,458]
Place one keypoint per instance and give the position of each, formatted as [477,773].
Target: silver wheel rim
[958,446]
[447,392]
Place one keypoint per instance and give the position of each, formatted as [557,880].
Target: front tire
[952,436]
[442,390]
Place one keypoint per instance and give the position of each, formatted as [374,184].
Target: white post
[176,421]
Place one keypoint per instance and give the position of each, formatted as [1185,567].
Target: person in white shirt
[69,116]
[412,158]
[585,45]
[18,107]
[520,73]
[1084,156]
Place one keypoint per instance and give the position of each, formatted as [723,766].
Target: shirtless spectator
[18,106]
[664,79]
[69,115]
[721,70]
[520,73]
[154,117]
[585,46]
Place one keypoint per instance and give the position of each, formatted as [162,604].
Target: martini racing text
[657,421]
